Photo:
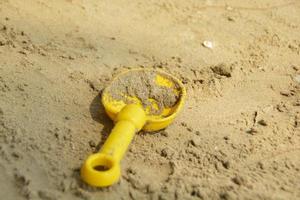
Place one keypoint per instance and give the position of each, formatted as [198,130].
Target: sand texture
[237,137]
[142,85]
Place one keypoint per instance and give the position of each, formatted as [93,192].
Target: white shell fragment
[229,8]
[297,78]
[208,44]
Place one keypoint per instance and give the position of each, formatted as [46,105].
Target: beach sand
[238,136]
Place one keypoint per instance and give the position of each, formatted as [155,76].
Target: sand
[142,85]
[238,136]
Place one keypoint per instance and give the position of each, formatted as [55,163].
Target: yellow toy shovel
[103,168]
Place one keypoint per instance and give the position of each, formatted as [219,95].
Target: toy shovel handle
[103,168]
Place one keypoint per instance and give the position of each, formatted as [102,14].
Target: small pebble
[260,165]
[295,68]
[197,132]
[164,153]
[92,144]
[195,142]
[131,171]
[226,138]
[225,196]
[47,195]
[22,52]
[208,44]
[21,88]
[222,70]
[239,180]
[196,193]
[226,164]
[252,131]
[165,133]
[16,155]
[285,93]
[183,124]
[167,153]
[262,122]
[297,103]
[230,19]
[189,129]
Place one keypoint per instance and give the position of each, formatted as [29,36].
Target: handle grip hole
[101,168]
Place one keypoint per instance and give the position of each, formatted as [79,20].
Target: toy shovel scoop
[137,99]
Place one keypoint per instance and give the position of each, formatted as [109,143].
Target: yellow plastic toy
[103,168]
